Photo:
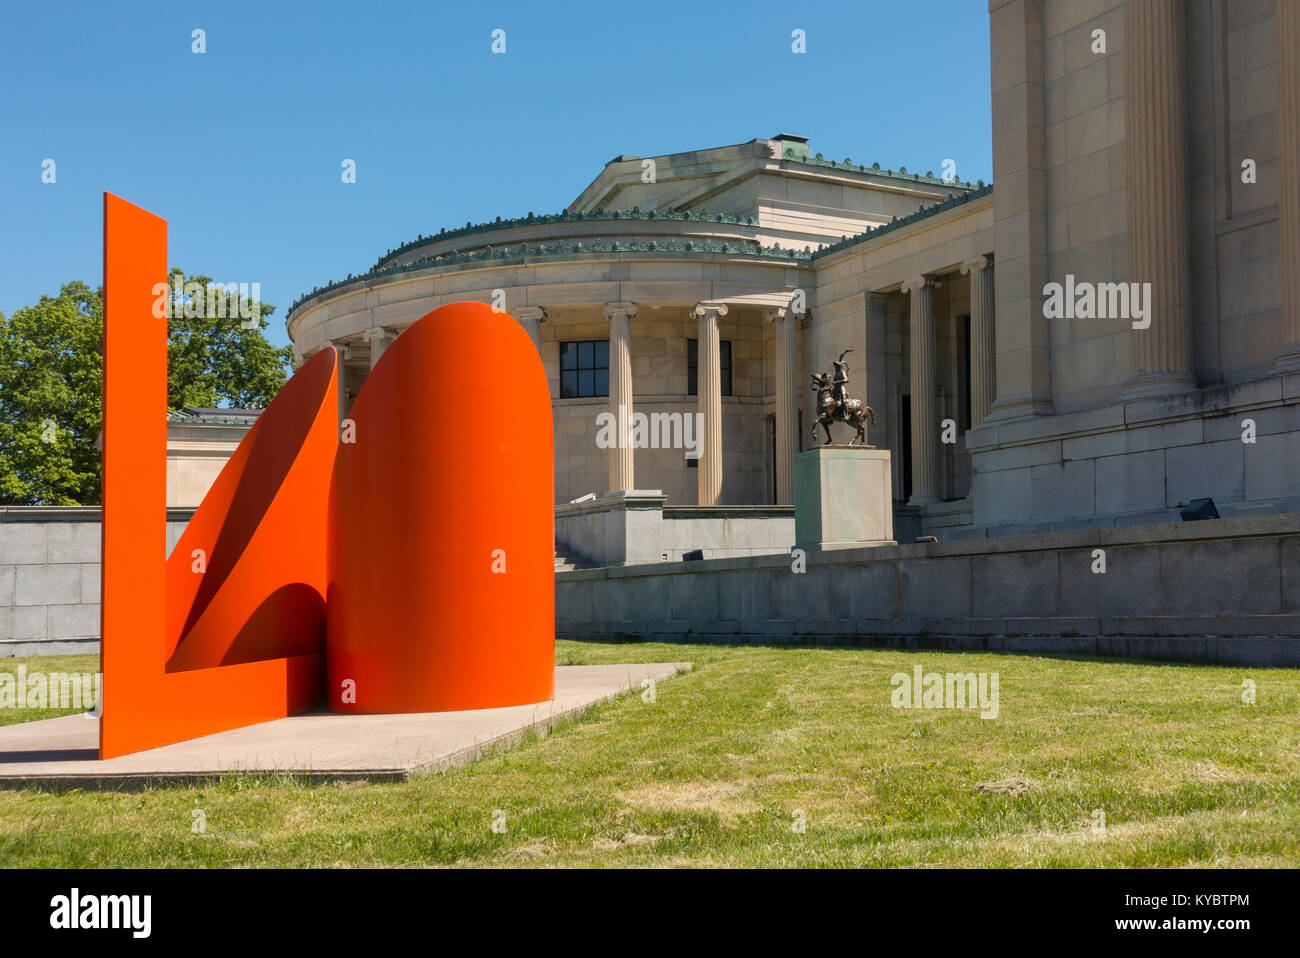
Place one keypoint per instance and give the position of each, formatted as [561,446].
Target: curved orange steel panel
[441,541]
[259,536]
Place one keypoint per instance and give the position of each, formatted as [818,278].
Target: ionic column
[1287,26]
[787,401]
[531,318]
[709,386]
[379,339]
[925,451]
[621,463]
[983,388]
[1161,354]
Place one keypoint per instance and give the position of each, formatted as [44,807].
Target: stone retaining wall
[49,577]
[636,526]
[1218,590]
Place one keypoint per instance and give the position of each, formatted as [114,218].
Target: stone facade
[199,443]
[1170,172]
[1136,171]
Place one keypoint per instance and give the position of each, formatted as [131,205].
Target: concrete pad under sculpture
[321,745]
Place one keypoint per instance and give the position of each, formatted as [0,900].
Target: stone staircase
[566,561]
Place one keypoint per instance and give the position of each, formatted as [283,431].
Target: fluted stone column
[1288,162]
[1160,355]
[1018,32]
[379,338]
[983,382]
[925,424]
[709,386]
[621,461]
[531,318]
[787,401]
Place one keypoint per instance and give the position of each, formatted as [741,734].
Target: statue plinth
[843,498]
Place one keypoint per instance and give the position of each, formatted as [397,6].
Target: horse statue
[833,404]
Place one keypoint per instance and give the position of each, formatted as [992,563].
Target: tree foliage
[51,380]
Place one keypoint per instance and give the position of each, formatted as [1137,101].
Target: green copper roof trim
[875,169]
[925,212]
[671,247]
[600,214]
[192,419]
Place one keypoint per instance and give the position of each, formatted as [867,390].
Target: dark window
[584,369]
[693,362]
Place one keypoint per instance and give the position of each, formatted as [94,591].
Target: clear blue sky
[240,148]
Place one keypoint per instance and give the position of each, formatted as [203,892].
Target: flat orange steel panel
[134,527]
[185,652]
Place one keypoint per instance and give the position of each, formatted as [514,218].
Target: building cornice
[899,222]
[489,257]
[791,155]
[598,215]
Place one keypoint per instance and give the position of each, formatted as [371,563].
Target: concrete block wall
[1225,590]
[50,577]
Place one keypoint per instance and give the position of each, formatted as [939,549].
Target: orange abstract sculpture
[419,562]
[442,581]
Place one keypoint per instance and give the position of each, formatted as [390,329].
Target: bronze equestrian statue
[833,404]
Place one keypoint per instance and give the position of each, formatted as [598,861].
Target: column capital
[978,262]
[920,282]
[709,306]
[378,332]
[781,312]
[620,309]
[345,350]
[535,313]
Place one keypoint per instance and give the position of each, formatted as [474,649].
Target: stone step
[567,563]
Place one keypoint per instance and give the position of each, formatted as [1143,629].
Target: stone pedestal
[843,498]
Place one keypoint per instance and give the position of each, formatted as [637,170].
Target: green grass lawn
[720,767]
[78,664]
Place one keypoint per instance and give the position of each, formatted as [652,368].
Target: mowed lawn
[724,765]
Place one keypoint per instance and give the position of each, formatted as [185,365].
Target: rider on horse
[834,404]
[838,393]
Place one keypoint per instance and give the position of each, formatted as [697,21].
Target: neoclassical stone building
[1153,142]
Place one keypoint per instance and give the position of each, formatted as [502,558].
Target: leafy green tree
[213,357]
[51,380]
[51,399]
